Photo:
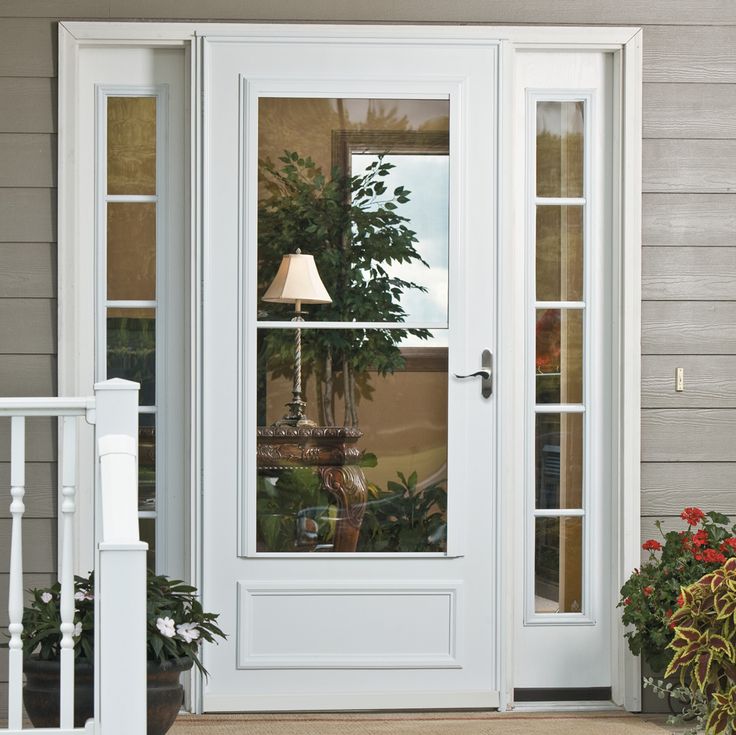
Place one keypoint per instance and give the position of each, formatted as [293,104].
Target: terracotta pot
[41,693]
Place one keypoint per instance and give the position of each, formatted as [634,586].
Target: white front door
[353,561]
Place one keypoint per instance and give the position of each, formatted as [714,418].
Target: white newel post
[120,588]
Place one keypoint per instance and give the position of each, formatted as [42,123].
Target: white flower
[83,595]
[166,627]
[46,597]
[77,630]
[188,631]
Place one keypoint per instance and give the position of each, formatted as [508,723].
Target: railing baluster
[15,592]
[68,506]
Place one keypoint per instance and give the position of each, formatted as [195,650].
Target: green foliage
[170,600]
[693,706]
[405,518]
[353,228]
[649,596]
[704,654]
[286,500]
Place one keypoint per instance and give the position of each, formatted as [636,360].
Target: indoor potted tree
[176,626]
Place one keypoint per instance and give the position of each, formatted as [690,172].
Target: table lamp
[297,282]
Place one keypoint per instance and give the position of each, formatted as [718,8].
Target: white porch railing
[120,560]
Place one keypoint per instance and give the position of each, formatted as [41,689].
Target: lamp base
[296,416]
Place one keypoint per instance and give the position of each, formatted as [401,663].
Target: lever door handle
[485,373]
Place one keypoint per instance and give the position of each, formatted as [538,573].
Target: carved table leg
[346,483]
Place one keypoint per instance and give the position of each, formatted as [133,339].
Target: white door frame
[76,351]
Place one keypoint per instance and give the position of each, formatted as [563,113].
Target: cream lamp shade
[297,281]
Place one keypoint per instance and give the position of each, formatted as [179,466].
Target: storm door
[348,502]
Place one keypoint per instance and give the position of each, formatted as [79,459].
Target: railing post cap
[117,384]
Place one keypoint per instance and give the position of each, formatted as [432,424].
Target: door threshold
[572,706]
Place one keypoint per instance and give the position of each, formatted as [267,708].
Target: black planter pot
[41,693]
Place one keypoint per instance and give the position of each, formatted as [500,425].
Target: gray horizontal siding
[689,111]
[27,326]
[27,215]
[28,270]
[41,491]
[688,327]
[689,54]
[40,440]
[27,160]
[27,375]
[689,166]
[709,12]
[29,105]
[689,273]
[710,381]
[28,47]
[668,487]
[39,544]
[688,435]
[690,220]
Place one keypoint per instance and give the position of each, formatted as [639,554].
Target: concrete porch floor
[425,723]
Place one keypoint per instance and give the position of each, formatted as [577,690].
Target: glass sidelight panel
[559,361]
[131,251]
[378,402]
[560,148]
[147,462]
[559,241]
[131,145]
[131,349]
[363,186]
[558,393]
[559,460]
[558,565]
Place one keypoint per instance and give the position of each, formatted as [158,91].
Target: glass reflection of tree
[131,353]
[352,226]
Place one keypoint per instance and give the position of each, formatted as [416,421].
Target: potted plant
[649,597]
[176,626]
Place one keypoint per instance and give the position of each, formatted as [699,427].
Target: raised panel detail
[333,625]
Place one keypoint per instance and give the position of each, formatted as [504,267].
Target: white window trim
[76,354]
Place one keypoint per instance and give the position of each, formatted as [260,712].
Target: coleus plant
[704,655]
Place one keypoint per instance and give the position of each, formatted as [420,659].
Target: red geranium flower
[692,515]
[651,545]
[680,600]
[627,601]
[712,556]
[700,538]
[729,544]
[648,591]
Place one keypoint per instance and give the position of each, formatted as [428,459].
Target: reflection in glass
[146,461]
[131,251]
[559,460]
[560,159]
[147,528]
[363,186]
[559,248]
[131,349]
[559,358]
[395,399]
[131,145]
[558,565]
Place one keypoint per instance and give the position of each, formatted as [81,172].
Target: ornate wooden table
[332,452]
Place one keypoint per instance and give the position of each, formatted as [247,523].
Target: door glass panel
[559,253]
[131,349]
[559,361]
[363,186]
[131,251]
[560,148]
[559,460]
[558,565]
[147,461]
[378,399]
[131,145]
